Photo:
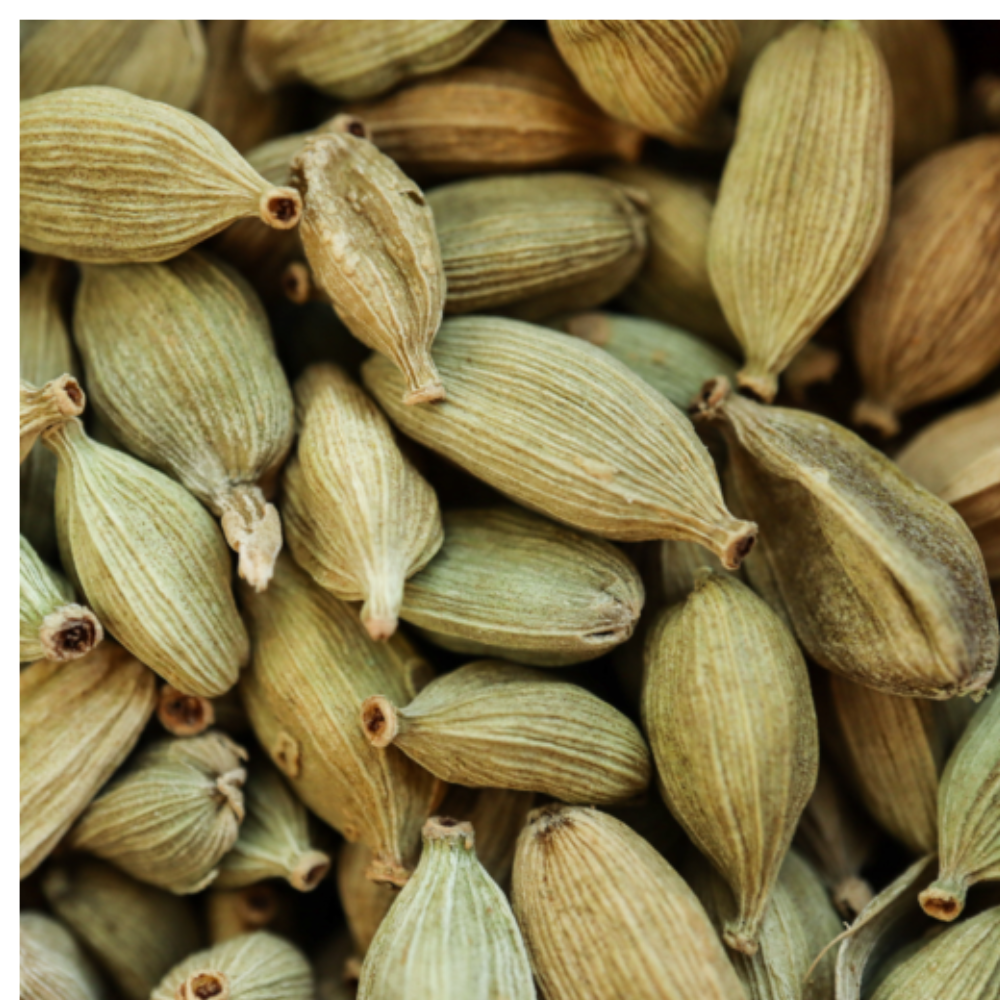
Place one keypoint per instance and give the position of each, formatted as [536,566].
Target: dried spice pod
[180,362]
[664,77]
[169,600]
[136,933]
[754,38]
[603,915]
[365,903]
[53,966]
[804,198]
[110,178]
[64,763]
[256,966]
[491,724]
[739,780]
[314,663]
[894,593]
[231,913]
[471,947]
[352,60]
[360,519]
[678,567]
[924,319]
[368,233]
[172,815]
[511,584]
[183,714]
[47,407]
[563,428]
[537,244]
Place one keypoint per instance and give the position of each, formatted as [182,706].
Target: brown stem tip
[740,940]
[183,714]
[868,413]
[210,984]
[760,385]
[347,125]
[379,720]
[710,399]
[444,828]
[944,899]
[281,208]
[432,393]
[70,632]
[309,871]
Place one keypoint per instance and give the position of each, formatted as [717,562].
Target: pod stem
[388,871]
[309,870]
[868,413]
[945,898]
[423,382]
[733,543]
[42,409]
[69,632]
[762,385]
[379,720]
[741,936]
[281,207]
[253,529]
[206,984]
[444,829]
[183,714]
[380,612]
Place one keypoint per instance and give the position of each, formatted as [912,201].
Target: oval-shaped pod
[494,725]
[53,965]
[47,407]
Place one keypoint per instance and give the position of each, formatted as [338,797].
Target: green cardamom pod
[495,725]
[739,779]
[42,409]
[53,965]
[150,561]
[172,815]
[679,566]
[451,933]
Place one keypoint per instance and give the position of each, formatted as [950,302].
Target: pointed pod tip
[868,413]
[737,938]
[380,627]
[710,399]
[944,899]
[70,632]
[281,207]
[444,828]
[379,720]
[207,984]
[430,393]
[310,869]
[183,714]
[761,386]
[737,546]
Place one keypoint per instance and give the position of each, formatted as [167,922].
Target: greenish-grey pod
[274,839]
[161,60]
[894,594]
[603,915]
[111,178]
[968,815]
[365,903]
[52,625]
[561,427]
[180,362]
[739,779]
[172,815]
[53,965]
[451,933]
[43,408]
[150,561]
[537,244]
[137,933]
[64,763]
[257,966]
[359,517]
[314,663]
[491,724]
[513,585]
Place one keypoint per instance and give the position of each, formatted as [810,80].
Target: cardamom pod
[64,763]
[150,561]
[360,519]
[451,932]
[368,233]
[804,198]
[739,779]
[136,933]
[563,428]
[535,245]
[180,362]
[664,77]
[495,725]
[754,38]
[679,566]
[894,593]
[53,966]
[110,178]
[42,409]
[603,915]
[231,913]
[183,714]
[172,815]
[365,903]
[314,663]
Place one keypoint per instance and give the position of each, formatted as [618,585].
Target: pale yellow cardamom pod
[53,965]
[47,407]
[755,36]
[804,199]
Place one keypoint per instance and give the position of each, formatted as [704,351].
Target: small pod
[110,178]
[53,965]
[471,946]
[170,818]
[359,517]
[495,725]
[51,405]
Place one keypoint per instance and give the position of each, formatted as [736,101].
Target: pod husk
[47,407]
[53,966]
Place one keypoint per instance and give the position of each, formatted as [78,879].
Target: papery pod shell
[491,724]
[894,593]
[159,60]
[537,244]
[451,933]
[65,763]
[53,966]
[136,933]
[664,77]
[256,966]
[231,913]
[180,362]
[603,915]
[360,519]
[563,428]
[510,584]
[804,198]
[755,36]
[351,60]
[47,407]
[274,839]
[52,625]
[924,319]
[365,903]
[150,561]
[110,178]
[313,665]
[739,780]
[172,815]
[369,235]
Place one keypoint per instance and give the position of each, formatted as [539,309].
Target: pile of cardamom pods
[509,510]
